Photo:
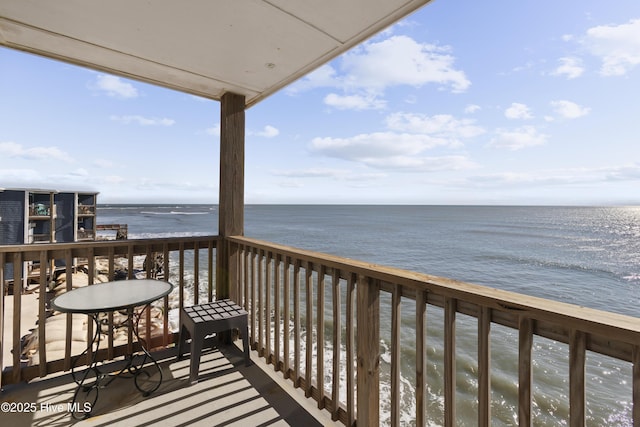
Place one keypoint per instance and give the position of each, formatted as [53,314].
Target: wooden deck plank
[228,393]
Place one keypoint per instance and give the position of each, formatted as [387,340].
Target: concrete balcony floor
[228,394]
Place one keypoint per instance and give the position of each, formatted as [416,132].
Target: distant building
[32,216]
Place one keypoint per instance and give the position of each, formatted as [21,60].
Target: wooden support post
[368,350]
[636,385]
[231,199]
[3,265]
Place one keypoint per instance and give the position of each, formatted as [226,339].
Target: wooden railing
[298,299]
[16,265]
[317,319]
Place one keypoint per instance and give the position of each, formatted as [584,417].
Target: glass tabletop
[111,296]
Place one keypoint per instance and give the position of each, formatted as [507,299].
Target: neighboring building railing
[158,258]
[298,299]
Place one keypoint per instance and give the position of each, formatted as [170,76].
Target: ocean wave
[168,234]
[174,213]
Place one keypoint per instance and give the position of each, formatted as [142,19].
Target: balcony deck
[227,394]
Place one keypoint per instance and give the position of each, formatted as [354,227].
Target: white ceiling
[203,47]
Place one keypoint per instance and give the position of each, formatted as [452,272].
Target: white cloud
[12,149]
[80,172]
[569,110]
[518,111]
[354,102]
[400,60]
[267,132]
[143,121]
[19,177]
[312,173]
[390,150]
[115,86]
[441,126]
[114,179]
[374,145]
[472,108]
[623,173]
[568,176]
[569,67]
[425,164]
[618,46]
[404,144]
[103,163]
[367,71]
[517,139]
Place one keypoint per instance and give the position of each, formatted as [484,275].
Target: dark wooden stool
[205,319]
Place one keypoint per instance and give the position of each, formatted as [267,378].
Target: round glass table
[122,295]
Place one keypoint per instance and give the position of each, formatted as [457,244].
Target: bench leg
[245,345]
[196,348]
[181,341]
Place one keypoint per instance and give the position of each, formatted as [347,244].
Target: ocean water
[588,256]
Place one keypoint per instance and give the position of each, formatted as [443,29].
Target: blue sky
[463,102]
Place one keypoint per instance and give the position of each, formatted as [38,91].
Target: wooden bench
[206,319]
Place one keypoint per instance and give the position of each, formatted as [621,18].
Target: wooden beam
[231,199]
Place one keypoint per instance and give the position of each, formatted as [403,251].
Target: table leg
[86,394]
[92,379]
[143,380]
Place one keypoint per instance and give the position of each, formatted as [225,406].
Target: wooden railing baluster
[3,263]
[196,274]
[276,314]
[396,313]
[211,272]
[260,302]
[525,377]
[484,367]
[253,293]
[322,271]
[350,345]
[287,314]
[42,312]
[165,272]
[421,358]
[308,274]
[68,262]
[296,323]
[112,260]
[577,359]
[337,344]
[450,362]
[18,266]
[268,354]
[636,385]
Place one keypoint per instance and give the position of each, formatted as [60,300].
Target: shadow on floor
[228,394]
